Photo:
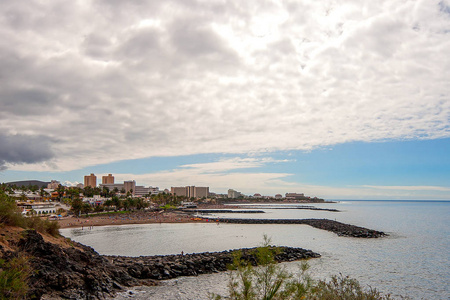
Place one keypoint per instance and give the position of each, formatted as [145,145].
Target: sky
[334,99]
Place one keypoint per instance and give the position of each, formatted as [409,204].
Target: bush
[11,215]
[269,281]
[13,278]
[9,212]
[343,287]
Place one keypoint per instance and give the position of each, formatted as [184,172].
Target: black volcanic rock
[70,272]
[171,266]
[339,228]
[79,272]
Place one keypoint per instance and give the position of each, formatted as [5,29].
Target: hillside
[28,183]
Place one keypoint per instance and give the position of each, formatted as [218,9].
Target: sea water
[413,261]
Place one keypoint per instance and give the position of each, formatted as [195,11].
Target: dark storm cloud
[22,102]
[19,149]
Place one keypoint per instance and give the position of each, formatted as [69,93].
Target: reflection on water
[413,260]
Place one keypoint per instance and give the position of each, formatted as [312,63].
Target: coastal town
[55,201]
[33,213]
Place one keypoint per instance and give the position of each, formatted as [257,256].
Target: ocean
[413,261]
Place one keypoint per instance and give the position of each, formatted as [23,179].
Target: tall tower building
[108,179]
[90,180]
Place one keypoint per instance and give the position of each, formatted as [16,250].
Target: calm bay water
[413,261]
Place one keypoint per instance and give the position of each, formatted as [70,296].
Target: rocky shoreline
[339,228]
[172,266]
[78,272]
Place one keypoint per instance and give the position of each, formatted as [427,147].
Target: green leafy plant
[13,278]
[270,281]
[11,215]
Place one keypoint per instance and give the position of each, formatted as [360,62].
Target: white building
[141,191]
[96,200]
[38,208]
[53,184]
[137,190]
[234,194]
[295,196]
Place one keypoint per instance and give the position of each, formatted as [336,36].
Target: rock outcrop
[72,273]
[78,272]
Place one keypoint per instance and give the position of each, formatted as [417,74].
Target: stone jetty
[171,266]
[224,211]
[307,207]
[339,228]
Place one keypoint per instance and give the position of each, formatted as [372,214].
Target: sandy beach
[127,218]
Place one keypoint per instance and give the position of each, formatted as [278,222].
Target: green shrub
[11,215]
[52,227]
[343,287]
[13,278]
[269,281]
[9,212]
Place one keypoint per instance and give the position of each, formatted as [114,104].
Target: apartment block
[108,179]
[142,191]
[179,191]
[190,191]
[129,185]
[201,192]
[90,180]
[136,190]
[295,196]
[233,194]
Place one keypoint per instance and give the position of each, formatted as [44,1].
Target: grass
[13,278]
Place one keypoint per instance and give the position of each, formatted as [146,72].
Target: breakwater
[172,266]
[224,211]
[292,207]
[339,228]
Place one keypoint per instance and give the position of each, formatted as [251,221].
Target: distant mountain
[29,182]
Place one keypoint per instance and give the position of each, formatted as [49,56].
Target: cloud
[22,149]
[225,165]
[247,176]
[236,172]
[409,188]
[115,80]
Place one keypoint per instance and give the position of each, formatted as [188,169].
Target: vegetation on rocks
[14,275]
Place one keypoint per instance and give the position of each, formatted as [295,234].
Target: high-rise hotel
[108,179]
[90,180]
